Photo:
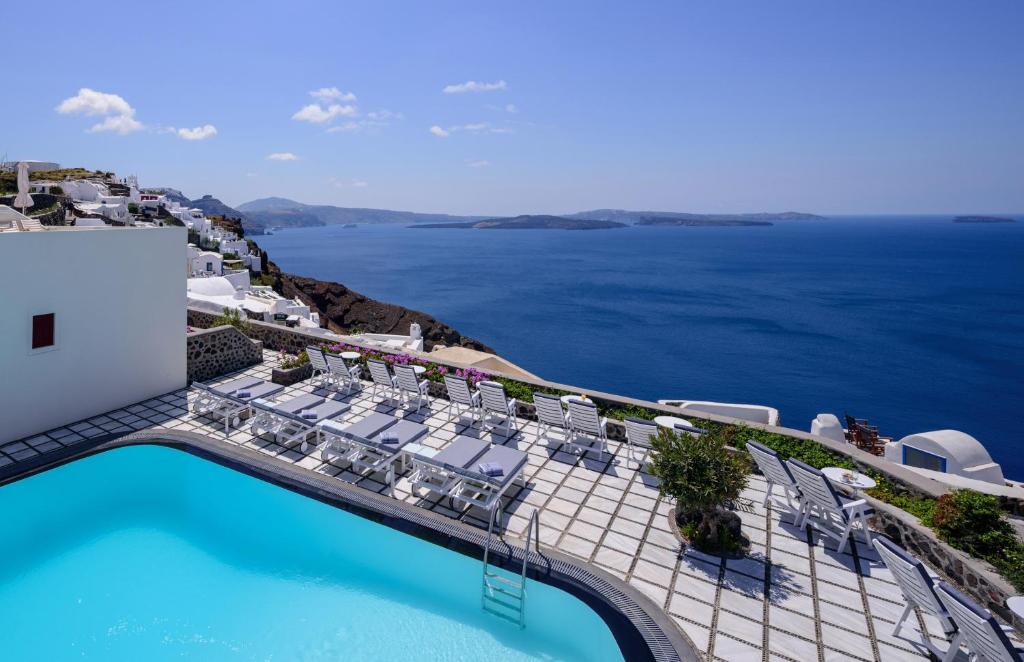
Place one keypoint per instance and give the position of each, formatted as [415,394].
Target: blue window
[915,457]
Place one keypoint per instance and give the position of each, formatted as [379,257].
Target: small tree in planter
[702,476]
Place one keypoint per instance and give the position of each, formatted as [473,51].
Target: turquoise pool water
[148,553]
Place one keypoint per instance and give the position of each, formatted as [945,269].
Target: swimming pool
[146,552]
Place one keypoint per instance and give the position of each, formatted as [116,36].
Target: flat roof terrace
[793,597]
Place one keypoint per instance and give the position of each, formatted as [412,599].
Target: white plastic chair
[410,388]
[776,473]
[320,367]
[836,515]
[550,415]
[343,374]
[496,405]
[639,432]
[918,589]
[587,429]
[461,400]
[977,629]
[382,379]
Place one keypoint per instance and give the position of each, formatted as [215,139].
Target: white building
[77,189]
[100,327]
[204,263]
[117,212]
[33,166]
[214,294]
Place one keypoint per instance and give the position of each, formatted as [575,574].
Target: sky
[533,107]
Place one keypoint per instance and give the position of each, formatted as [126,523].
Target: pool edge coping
[663,640]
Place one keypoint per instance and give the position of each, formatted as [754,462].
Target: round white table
[1016,605]
[670,422]
[566,399]
[418,369]
[351,356]
[853,479]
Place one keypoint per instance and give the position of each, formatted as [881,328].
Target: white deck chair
[639,432]
[342,374]
[320,367]
[979,631]
[382,379]
[918,588]
[776,473]
[495,405]
[410,388]
[587,428]
[550,415]
[461,400]
[835,515]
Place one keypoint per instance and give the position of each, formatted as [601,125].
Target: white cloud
[120,116]
[332,94]
[252,174]
[511,108]
[198,133]
[384,115]
[474,127]
[439,132]
[478,164]
[474,86]
[317,114]
[120,123]
[358,183]
[282,156]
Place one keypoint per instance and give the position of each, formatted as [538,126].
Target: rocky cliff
[346,311]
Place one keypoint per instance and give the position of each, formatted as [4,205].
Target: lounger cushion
[370,426]
[980,612]
[329,409]
[462,452]
[403,432]
[762,448]
[298,403]
[509,459]
[261,390]
[235,385]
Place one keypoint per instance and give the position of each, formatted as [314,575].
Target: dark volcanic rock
[346,310]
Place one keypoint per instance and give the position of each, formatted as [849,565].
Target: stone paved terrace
[792,598]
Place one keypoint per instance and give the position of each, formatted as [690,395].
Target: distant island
[690,219]
[528,222]
[699,222]
[983,219]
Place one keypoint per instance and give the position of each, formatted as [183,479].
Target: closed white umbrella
[23,199]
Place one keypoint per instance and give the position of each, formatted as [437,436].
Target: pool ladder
[502,596]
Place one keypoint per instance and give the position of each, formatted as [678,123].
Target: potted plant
[703,476]
[294,368]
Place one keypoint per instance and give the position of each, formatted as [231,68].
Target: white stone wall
[118,296]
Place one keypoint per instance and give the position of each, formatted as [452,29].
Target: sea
[914,323]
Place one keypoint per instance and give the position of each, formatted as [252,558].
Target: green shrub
[133,208]
[231,317]
[56,190]
[973,522]
[702,476]
[261,279]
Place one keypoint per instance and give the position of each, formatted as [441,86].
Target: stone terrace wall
[977,578]
[218,351]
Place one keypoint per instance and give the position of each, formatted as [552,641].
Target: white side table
[566,399]
[1016,605]
[351,356]
[670,422]
[418,369]
[852,479]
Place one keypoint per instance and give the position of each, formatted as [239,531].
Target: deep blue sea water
[913,323]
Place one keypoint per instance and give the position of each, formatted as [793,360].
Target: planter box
[288,376]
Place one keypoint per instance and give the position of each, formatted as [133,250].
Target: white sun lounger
[321,371]
[439,474]
[587,429]
[296,419]
[231,403]
[342,374]
[478,489]
[776,473]
[334,440]
[639,433]
[550,415]
[410,388]
[382,380]
[384,450]
[498,410]
[206,397]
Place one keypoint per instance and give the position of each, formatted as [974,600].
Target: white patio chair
[836,515]
[494,404]
[343,374]
[639,432]
[918,588]
[411,388]
[461,400]
[977,629]
[320,367]
[382,379]
[776,473]
[550,415]
[587,428]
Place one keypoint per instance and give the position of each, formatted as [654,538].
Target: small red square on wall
[42,330]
